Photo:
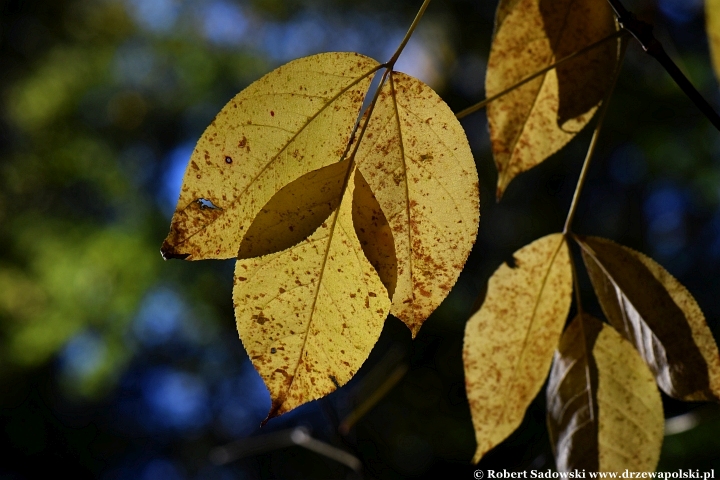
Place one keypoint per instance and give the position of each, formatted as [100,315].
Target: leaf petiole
[391,63]
[593,142]
[483,104]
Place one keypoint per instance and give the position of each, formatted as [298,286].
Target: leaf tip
[168,252]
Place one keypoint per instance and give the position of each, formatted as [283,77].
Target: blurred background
[117,365]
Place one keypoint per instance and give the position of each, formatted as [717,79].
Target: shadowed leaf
[292,121]
[308,316]
[532,122]
[295,211]
[604,410]
[374,233]
[417,161]
[509,342]
[658,315]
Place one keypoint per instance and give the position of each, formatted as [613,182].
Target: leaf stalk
[391,63]
[483,103]
[593,141]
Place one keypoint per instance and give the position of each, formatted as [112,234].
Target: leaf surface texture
[651,309]
[417,162]
[604,409]
[290,122]
[532,122]
[509,342]
[308,316]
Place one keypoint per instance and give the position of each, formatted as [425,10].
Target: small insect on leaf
[604,409]
[509,342]
[290,122]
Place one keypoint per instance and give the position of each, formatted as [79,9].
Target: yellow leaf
[712,24]
[651,309]
[373,231]
[534,121]
[604,409]
[418,163]
[308,316]
[295,211]
[509,342]
[292,121]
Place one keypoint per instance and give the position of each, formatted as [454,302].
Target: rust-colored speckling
[509,342]
[329,303]
[423,177]
[604,409]
[532,122]
[314,126]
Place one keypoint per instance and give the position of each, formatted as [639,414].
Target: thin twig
[391,63]
[593,142]
[482,104]
[373,399]
[642,32]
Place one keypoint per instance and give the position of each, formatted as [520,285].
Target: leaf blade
[535,120]
[292,121]
[503,370]
[418,163]
[656,314]
[712,26]
[607,402]
[325,313]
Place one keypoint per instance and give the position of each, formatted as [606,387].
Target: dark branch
[642,32]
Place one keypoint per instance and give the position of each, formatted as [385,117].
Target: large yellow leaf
[534,121]
[712,23]
[292,121]
[308,316]
[650,308]
[509,342]
[604,409]
[418,163]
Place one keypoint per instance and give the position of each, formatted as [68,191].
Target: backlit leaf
[535,120]
[418,163]
[308,316]
[712,23]
[604,409]
[292,121]
[509,342]
[658,315]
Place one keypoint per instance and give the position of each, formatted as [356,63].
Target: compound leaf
[532,122]
[292,121]
[604,409]
[509,342]
[417,161]
[308,316]
[651,309]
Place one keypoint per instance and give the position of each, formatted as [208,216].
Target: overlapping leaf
[604,410]
[537,119]
[658,315]
[308,316]
[418,163]
[509,342]
[321,246]
[712,24]
[292,121]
